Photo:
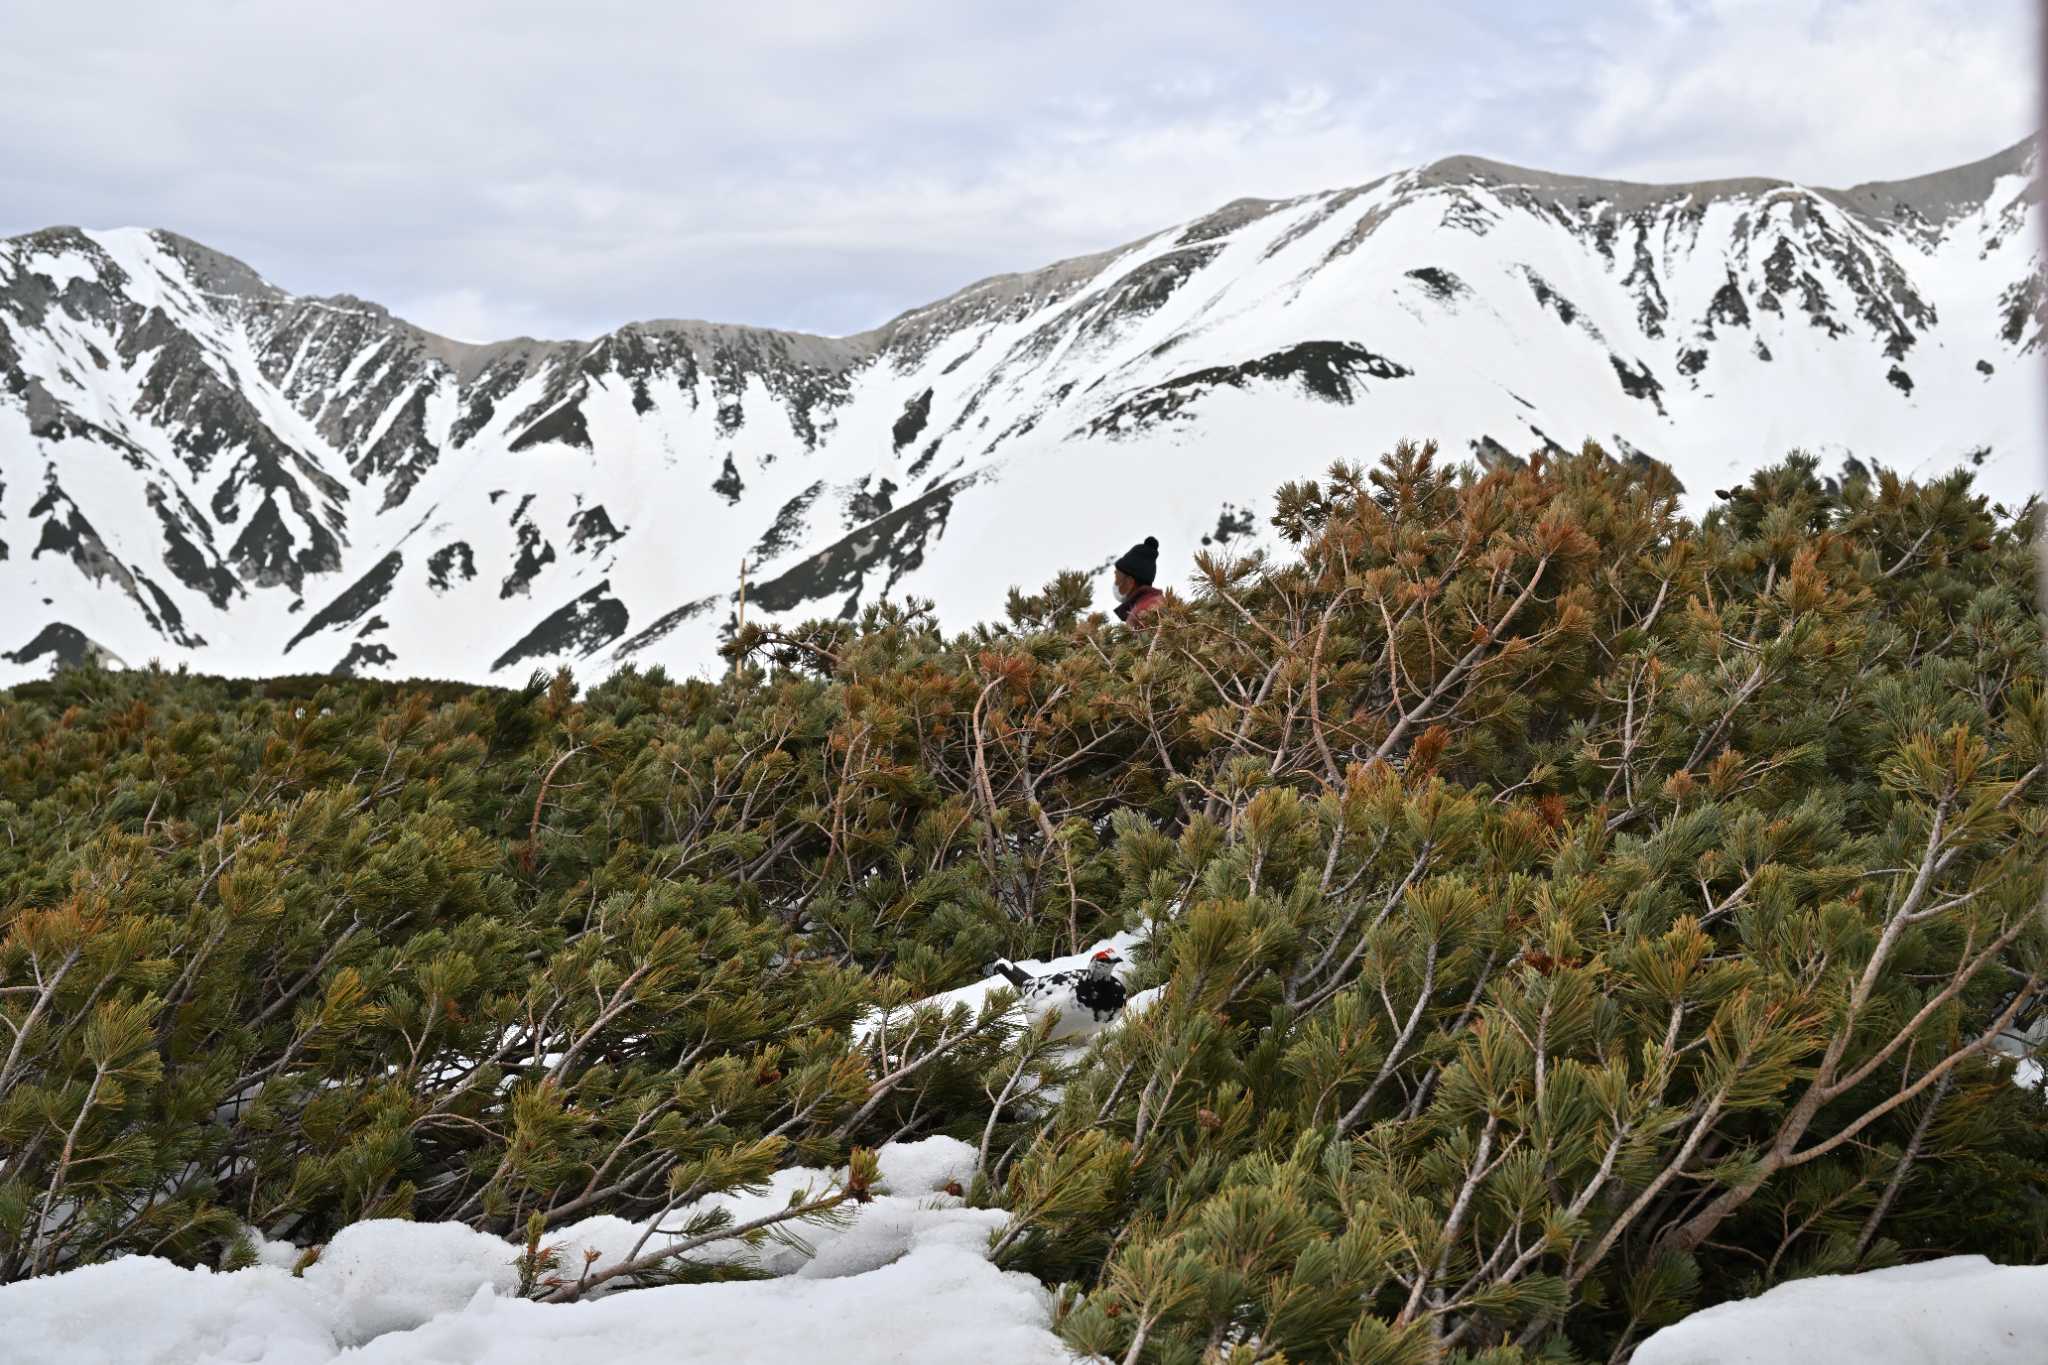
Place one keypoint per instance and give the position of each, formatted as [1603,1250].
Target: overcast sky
[492,169]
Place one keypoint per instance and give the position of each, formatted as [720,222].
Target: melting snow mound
[1961,1310]
[906,1278]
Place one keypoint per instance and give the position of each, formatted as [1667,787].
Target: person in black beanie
[1135,570]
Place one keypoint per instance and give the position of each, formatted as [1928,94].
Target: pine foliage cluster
[1567,914]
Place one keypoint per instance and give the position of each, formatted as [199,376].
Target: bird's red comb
[1106,955]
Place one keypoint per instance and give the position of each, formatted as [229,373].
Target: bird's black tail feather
[1014,974]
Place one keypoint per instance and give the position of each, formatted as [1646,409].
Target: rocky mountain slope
[199,467]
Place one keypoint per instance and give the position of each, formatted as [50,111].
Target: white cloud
[559,170]
[1823,91]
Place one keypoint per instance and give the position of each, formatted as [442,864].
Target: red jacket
[1140,604]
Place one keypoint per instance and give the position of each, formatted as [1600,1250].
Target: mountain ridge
[2019,158]
[199,466]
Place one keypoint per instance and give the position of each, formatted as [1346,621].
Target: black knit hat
[1141,562]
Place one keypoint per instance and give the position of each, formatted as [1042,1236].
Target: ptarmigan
[1066,995]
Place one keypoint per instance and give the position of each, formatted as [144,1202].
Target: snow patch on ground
[1961,1310]
[904,1278]
[2025,1046]
[60,268]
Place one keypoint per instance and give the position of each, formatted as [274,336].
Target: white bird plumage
[1078,999]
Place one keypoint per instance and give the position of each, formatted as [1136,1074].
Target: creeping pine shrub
[1566,914]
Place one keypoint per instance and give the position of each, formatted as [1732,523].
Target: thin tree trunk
[1905,1166]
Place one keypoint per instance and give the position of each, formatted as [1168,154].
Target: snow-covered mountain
[198,467]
